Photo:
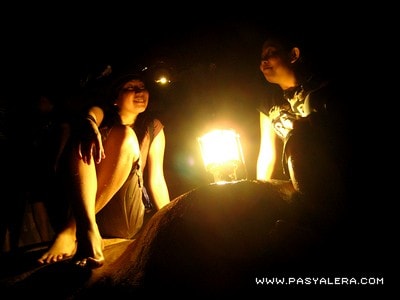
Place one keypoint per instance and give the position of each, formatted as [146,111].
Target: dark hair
[285,40]
[312,48]
[118,83]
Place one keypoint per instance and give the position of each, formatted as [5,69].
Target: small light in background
[162,79]
[222,154]
[160,72]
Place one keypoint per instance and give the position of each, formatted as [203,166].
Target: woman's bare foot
[63,247]
[90,263]
[90,250]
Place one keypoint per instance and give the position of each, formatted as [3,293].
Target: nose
[138,89]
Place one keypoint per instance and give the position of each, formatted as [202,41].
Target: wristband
[91,118]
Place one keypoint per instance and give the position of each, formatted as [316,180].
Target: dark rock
[212,238]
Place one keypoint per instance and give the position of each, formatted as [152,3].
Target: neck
[128,119]
[291,92]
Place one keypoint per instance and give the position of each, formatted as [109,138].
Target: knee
[126,139]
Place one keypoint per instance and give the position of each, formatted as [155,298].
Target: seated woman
[307,113]
[101,170]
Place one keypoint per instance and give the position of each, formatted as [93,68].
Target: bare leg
[91,190]
[90,250]
[82,178]
[122,150]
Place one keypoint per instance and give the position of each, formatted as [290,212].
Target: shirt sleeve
[158,126]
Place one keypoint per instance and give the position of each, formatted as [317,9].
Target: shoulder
[273,97]
[322,96]
[148,126]
[157,126]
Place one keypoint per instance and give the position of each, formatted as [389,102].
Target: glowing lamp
[222,154]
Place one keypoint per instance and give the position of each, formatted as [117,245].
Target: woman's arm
[155,164]
[91,145]
[97,114]
[266,156]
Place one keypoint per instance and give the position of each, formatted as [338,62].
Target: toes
[90,263]
[81,263]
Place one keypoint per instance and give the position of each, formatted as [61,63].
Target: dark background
[213,53]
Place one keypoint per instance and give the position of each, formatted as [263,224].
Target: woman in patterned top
[307,115]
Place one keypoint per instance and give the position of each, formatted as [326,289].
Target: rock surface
[215,237]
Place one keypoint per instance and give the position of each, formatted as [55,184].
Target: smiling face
[133,98]
[278,63]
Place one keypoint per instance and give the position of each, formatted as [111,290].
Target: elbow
[160,193]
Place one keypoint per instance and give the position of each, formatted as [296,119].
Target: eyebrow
[130,84]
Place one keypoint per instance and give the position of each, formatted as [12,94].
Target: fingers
[94,150]
[85,153]
[98,150]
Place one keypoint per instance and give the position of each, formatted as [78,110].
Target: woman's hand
[90,144]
